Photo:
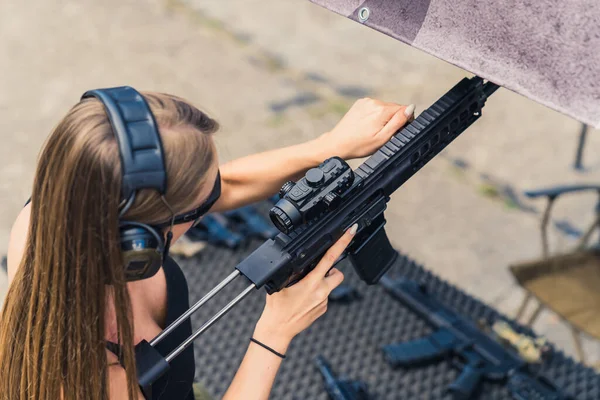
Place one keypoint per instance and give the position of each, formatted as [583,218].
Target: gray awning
[547,50]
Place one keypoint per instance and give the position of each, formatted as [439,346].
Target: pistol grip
[466,384]
[435,346]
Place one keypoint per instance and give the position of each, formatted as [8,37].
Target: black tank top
[177,382]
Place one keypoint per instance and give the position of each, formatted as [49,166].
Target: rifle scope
[320,190]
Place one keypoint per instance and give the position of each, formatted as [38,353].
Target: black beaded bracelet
[267,347]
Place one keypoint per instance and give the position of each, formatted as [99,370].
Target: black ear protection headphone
[142,167]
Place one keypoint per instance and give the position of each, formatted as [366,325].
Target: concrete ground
[279,72]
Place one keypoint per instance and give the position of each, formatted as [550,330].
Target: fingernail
[408,111]
[353,229]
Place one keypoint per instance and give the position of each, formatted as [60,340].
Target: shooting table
[349,335]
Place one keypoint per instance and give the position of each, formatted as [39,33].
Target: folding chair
[567,283]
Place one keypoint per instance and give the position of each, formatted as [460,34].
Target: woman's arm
[256,374]
[286,313]
[255,177]
[365,127]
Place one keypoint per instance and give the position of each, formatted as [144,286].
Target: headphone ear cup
[142,251]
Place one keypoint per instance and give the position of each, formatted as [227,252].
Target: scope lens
[285,215]
[279,222]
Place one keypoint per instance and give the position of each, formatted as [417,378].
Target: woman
[69,303]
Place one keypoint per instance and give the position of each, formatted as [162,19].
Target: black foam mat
[349,335]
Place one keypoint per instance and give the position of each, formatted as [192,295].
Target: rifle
[344,293]
[232,228]
[341,389]
[251,223]
[457,337]
[316,211]
[214,228]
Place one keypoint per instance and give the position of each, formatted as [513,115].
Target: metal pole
[544,226]
[209,323]
[578,157]
[194,308]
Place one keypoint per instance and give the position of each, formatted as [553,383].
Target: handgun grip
[423,350]
[466,384]
[371,253]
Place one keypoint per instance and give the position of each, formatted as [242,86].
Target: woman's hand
[293,309]
[287,313]
[366,127]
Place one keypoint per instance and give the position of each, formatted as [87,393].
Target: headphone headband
[140,147]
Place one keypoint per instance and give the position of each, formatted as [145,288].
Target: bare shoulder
[17,241]
[117,379]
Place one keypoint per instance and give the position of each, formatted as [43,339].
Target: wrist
[320,149]
[272,336]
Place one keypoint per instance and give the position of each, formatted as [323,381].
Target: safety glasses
[195,214]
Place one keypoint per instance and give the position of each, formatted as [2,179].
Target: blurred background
[279,72]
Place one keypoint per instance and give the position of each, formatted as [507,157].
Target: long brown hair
[52,328]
